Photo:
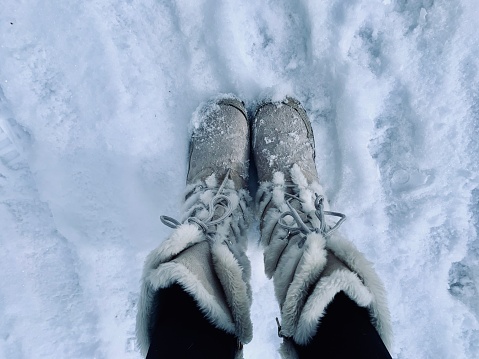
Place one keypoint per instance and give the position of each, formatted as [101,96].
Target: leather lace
[300,226]
[207,225]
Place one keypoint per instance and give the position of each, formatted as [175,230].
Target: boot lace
[219,202]
[300,227]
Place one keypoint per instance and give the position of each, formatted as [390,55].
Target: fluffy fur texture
[305,275]
[355,260]
[221,285]
[325,290]
[236,289]
[287,350]
[297,265]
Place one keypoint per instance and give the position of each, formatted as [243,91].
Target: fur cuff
[160,272]
[287,349]
[234,278]
[298,271]
[323,295]
[355,260]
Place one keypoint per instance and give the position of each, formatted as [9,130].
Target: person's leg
[309,261]
[195,295]
[345,332]
[186,333]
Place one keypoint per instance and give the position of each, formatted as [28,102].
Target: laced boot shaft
[295,230]
[221,212]
[211,207]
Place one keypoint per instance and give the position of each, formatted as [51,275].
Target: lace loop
[301,227]
[170,222]
[218,202]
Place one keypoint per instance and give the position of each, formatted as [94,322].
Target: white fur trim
[211,181]
[287,350]
[298,177]
[163,277]
[278,178]
[323,294]
[312,263]
[356,261]
[183,237]
[235,288]
[306,192]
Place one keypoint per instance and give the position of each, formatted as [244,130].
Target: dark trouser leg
[182,332]
[345,332]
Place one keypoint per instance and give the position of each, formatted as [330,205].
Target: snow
[95,105]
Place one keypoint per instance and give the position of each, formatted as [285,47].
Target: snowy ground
[95,101]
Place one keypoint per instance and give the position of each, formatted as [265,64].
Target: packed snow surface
[95,107]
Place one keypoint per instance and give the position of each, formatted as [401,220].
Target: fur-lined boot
[205,254]
[309,261]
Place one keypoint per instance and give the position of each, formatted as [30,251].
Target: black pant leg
[182,331]
[345,332]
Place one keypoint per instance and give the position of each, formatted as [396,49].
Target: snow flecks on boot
[208,107]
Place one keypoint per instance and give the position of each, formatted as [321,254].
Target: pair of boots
[308,260]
